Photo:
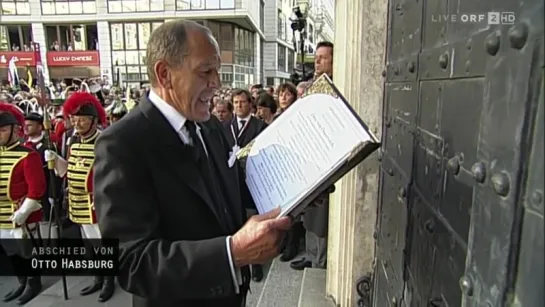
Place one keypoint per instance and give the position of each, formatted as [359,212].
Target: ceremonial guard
[23,185]
[116,111]
[35,139]
[86,114]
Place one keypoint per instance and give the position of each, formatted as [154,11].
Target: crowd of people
[63,167]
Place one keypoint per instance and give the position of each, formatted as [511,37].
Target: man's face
[32,128]
[323,61]
[192,85]
[270,90]
[242,105]
[6,135]
[82,124]
[222,112]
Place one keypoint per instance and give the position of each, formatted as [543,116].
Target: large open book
[306,150]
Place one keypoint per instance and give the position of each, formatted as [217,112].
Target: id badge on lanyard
[235,137]
[236,148]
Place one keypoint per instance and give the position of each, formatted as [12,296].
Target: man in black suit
[242,130]
[165,190]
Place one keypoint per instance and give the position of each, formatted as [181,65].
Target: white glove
[50,155]
[28,206]
[61,166]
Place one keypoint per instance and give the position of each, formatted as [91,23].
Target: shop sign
[22,58]
[73,58]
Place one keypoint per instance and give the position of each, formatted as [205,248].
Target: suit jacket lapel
[219,158]
[175,150]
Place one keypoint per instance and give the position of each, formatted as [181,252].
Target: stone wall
[359,59]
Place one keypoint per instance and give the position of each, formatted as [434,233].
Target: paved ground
[52,296]
[8,283]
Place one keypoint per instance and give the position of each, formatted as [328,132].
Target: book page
[298,150]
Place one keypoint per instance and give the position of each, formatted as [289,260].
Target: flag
[13,75]
[29,77]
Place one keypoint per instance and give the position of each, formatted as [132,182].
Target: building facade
[320,26]
[279,48]
[108,38]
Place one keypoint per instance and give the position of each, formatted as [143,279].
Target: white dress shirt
[240,120]
[177,121]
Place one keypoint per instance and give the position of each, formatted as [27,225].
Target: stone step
[282,286]
[257,288]
[54,295]
[313,293]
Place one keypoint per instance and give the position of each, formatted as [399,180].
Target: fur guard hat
[84,104]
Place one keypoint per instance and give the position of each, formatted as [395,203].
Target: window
[291,60]
[184,5]
[14,7]
[281,58]
[130,6]
[281,25]
[244,47]
[16,38]
[270,82]
[71,37]
[129,42]
[68,7]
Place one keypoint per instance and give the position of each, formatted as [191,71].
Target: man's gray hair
[169,43]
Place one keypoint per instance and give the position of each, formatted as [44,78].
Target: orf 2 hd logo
[503,18]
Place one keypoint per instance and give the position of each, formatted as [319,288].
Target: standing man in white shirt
[243,129]
[165,189]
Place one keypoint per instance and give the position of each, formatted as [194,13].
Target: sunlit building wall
[113,34]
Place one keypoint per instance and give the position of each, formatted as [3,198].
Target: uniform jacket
[23,177]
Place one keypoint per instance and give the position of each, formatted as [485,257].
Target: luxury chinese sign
[22,59]
[73,58]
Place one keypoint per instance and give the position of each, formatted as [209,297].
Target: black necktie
[197,144]
[242,122]
[208,173]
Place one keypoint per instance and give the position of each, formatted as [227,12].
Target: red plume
[8,107]
[78,99]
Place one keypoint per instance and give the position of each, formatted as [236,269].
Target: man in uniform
[23,185]
[86,114]
[34,138]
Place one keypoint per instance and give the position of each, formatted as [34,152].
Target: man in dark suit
[242,130]
[165,190]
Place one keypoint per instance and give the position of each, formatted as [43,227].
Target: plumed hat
[84,104]
[10,115]
[117,108]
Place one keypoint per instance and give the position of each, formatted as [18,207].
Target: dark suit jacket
[255,127]
[150,195]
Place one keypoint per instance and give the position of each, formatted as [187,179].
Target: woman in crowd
[266,107]
[287,94]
